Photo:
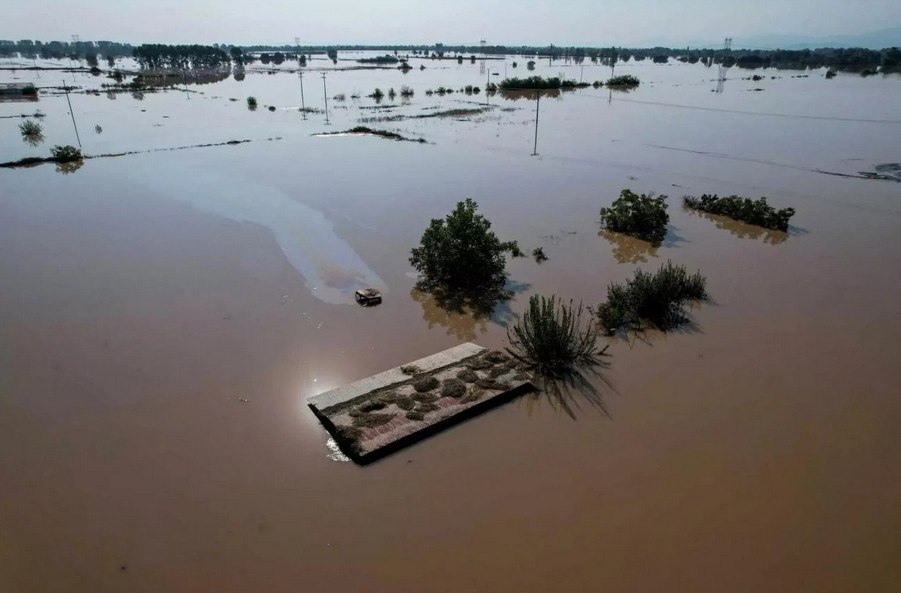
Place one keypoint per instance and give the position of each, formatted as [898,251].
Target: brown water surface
[164,316]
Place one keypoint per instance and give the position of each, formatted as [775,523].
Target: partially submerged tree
[640,215]
[460,260]
[551,338]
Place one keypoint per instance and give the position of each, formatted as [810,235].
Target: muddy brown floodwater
[164,316]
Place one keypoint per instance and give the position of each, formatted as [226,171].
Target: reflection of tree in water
[743,230]
[530,95]
[69,167]
[463,315]
[137,95]
[569,393]
[189,76]
[460,322]
[33,139]
[627,249]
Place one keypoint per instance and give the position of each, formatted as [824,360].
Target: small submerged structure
[18,91]
[391,410]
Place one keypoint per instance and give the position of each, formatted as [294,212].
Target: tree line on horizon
[217,55]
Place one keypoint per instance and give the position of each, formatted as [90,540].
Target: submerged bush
[640,215]
[625,80]
[461,255]
[656,299]
[551,337]
[251,103]
[539,83]
[66,154]
[377,94]
[756,212]
[31,128]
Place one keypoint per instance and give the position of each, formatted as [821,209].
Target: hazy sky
[512,22]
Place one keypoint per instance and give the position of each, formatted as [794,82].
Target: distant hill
[872,40]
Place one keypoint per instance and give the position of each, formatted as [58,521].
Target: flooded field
[165,315]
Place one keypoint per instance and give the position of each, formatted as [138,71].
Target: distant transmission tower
[721,78]
[482,43]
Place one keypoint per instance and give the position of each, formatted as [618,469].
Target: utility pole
[72,113]
[537,105]
[325,94]
[303,107]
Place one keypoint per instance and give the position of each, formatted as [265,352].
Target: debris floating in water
[368,297]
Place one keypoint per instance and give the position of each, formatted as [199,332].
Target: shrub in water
[551,337]
[656,298]
[66,154]
[540,83]
[626,80]
[251,103]
[640,215]
[756,212]
[31,128]
[460,254]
